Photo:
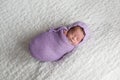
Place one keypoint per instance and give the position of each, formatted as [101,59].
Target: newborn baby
[75,35]
[55,43]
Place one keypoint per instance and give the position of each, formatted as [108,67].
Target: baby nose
[74,38]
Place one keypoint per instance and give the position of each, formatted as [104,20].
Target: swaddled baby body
[55,43]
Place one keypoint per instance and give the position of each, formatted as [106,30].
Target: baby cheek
[70,36]
[78,41]
[75,43]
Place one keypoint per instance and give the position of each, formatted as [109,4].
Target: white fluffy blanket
[21,20]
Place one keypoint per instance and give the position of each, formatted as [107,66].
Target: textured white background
[20,20]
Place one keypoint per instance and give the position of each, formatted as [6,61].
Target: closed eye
[81,40]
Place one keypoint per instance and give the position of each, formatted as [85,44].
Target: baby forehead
[76,28]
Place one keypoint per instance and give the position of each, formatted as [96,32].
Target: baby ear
[65,32]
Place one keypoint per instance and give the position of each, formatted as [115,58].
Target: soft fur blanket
[97,59]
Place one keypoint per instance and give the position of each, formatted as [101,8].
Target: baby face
[75,35]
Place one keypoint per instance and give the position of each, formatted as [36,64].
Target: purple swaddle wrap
[53,44]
